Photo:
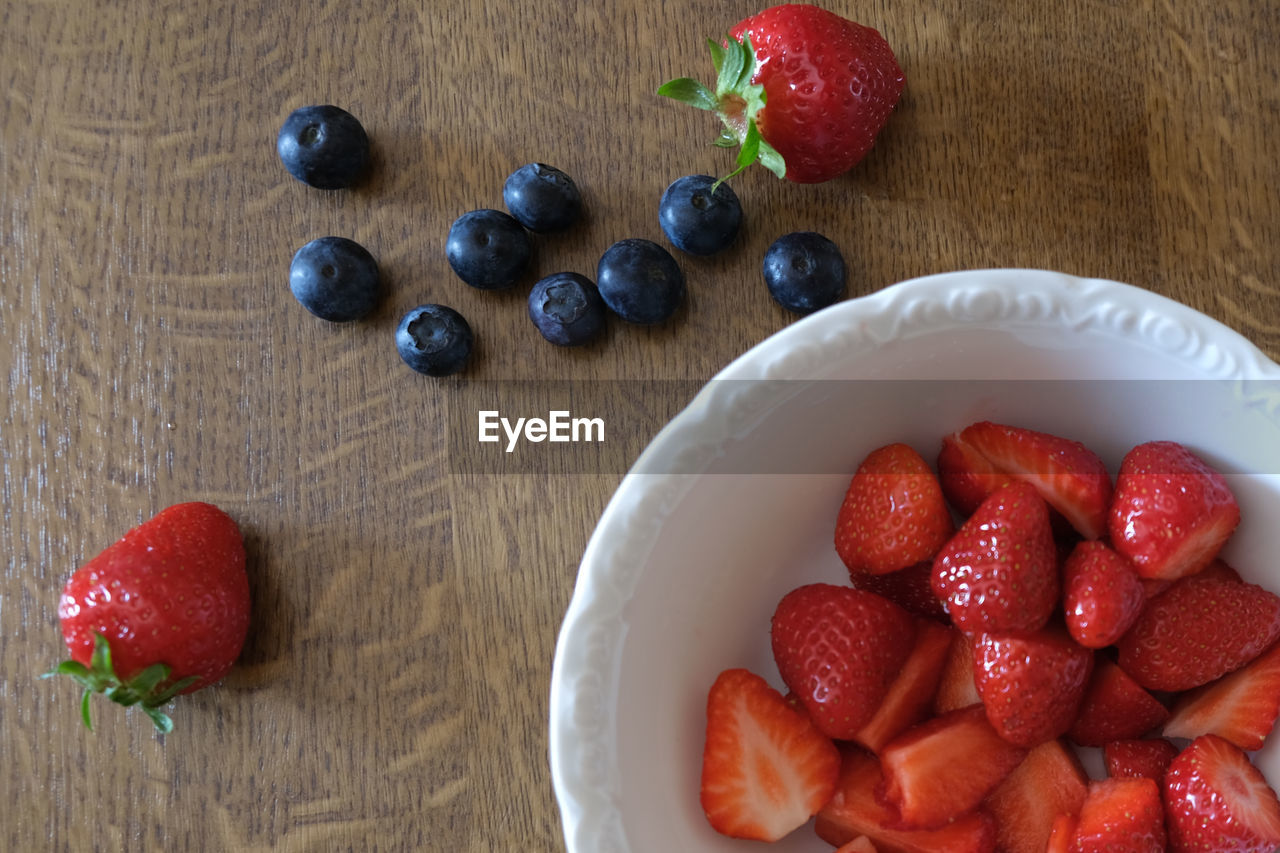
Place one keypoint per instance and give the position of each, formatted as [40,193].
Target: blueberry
[696,220]
[567,309]
[323,146]
[335,278]
[488,249]
[804,272]
[434,339]
[640,281]
[542,197]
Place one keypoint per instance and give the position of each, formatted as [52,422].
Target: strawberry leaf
[689,91]
[737,57]
[717,55]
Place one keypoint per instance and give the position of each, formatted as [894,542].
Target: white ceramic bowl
[687,563]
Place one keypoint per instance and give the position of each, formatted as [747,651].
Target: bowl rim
[582,761]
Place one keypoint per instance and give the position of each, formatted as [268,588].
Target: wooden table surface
[393,692]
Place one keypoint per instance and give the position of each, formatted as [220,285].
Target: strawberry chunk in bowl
[735,503]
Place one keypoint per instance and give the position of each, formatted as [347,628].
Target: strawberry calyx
[737,101]
[150,689]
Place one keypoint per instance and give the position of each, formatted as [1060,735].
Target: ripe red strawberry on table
[766,769]
[802,90]
[163,611]
[838,649]
[893,514]
[1172,512]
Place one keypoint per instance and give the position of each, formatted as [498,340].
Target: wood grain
[393,695]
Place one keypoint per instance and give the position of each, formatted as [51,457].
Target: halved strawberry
[1101,594]
[1115,707]
[1031,684]
[838,649]
[1171,513]
[910,696]
[1069,476]
[1000,571]
[1202,627]
[1049,782]
[893,514]
[1062,838]
[861,844]
[766,769]
[910,588]
[1241,707]
[1121,814]
[1215,799]
[943,768]
[1146,757]
[956,687]
[856,810]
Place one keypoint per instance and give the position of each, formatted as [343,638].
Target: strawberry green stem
[149,689]
[737,101]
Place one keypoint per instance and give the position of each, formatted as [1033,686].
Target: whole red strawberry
[893,515]
[802,90]
[838,649]
[163,611]
[1000,571]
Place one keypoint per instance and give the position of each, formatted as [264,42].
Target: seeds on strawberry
[1241,707]
[893,515]
[1115,707]
[999,573]
[910,588]
[1216,800]
[1102,594]
[1031,684]
[1202,627]
[124,620]
[910,697]
[1171,512]
[1146,757]
[766,769]
[805,113]
[1121,814]
[838,649]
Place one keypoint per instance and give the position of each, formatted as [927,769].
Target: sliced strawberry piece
[943,768]
[861,844]
[1241,707]
[1215,799]
[766,769]
[910,696]
[1121,814]
[1171,513]
[1000,571]
[1049,782]
[1069,476]
[956,688]
[838,649]
[1115,707]
[910,588]
[1101,594]
[1146,757]
[856,810]
[1031,684]
[1062,838]
[1200,628]
[893,514]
